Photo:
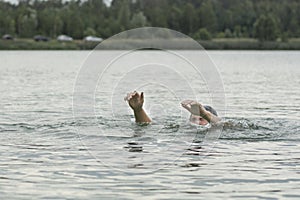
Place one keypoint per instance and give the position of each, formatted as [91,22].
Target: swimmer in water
[200,115]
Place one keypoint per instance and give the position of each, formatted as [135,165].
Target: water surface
[43,156]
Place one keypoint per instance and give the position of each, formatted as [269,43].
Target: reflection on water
[42,155]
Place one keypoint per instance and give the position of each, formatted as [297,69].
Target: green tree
[265,28]
[237,31]
[73,21]
[156,11]
[227,18]
[202,34]
[7,24]
[49,22]
[124,15]
[138,20]
[208,17]
[26,22]
[228,33]
[89,31]
[93,13]
[189,19]
[174,18]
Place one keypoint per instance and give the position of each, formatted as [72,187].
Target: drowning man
[200,115]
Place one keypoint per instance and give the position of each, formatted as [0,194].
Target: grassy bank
[214,44]
[30,44]
[250,44]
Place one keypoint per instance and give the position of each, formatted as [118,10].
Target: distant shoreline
[214,44]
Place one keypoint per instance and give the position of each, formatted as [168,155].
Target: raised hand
[197,109]
[193,107]
[135,100]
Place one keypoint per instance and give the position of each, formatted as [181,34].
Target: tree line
[265,20]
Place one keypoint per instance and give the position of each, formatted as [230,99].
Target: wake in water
[246,129]
[260,129]
[233,128]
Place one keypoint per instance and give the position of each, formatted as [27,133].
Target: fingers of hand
[129,96]
[135,94]
[185,102]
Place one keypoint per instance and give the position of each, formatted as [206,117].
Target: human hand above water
[135,100]
[193,107]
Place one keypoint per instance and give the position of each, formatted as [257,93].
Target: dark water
[46,153]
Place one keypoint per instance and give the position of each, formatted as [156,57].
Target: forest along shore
[214,44]
[219,24]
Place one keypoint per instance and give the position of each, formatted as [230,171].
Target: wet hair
[211,110]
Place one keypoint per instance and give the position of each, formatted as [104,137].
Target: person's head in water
[200,120]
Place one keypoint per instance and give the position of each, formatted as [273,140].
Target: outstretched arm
[136,101]
[197,109]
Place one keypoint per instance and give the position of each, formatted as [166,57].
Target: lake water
[48,153]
